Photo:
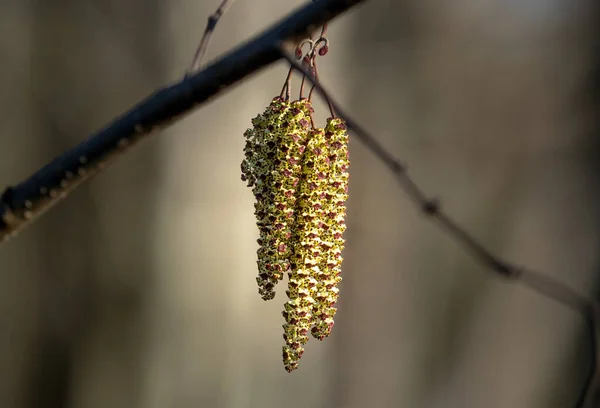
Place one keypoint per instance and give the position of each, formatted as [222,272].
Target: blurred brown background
[139,291]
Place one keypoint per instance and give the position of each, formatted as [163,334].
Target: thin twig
[205,41]
[22,203]
[544,285]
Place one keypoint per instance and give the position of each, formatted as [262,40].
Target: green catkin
[273,151]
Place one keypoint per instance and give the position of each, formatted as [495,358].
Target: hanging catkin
[273,151]
[299,177]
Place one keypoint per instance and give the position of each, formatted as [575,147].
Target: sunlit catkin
[307,252]
[299,177]
[274,148]
[331,225]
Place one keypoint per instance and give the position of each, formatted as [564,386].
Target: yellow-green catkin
[299,177]
[307,252]
[317,240]
[331,225]
[273,153]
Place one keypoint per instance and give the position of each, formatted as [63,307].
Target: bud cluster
[299,177]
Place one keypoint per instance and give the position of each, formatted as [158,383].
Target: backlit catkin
[299,177]
[307,253]
[274,147]
[331,225]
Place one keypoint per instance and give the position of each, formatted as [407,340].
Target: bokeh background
[138,291]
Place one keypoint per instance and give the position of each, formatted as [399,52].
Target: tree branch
[20,204]
[210,27]
[544,285]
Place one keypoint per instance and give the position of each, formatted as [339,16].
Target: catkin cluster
[299,177]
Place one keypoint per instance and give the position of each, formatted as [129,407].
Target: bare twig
[544,285]
[21,203]
[205,40]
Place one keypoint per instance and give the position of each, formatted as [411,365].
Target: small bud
[306,62]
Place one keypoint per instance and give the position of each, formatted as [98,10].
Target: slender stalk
[285,91]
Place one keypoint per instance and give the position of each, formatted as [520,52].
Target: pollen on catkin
[307,253]
[331,225]
[273,152]
[299,177]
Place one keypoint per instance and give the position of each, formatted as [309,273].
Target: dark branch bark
[21,203]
